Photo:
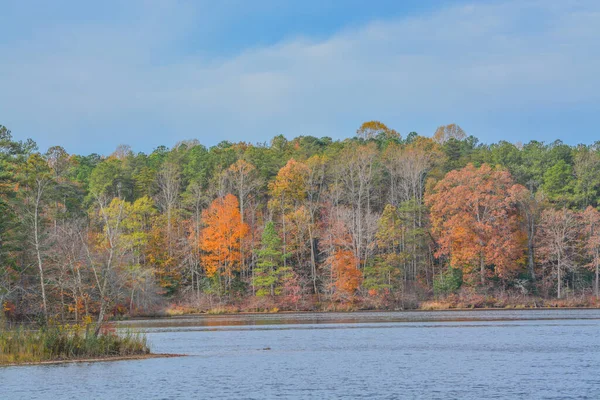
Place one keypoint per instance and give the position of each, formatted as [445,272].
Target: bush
[448,282]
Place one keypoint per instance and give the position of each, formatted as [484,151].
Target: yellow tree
[288,190]
[221,239]
[373,129]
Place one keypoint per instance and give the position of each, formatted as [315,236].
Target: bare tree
[109,217]
[38,180]
[315,184]
[196,199]
[355,175]
[592,244]
[558,240]
[447,132]
[243,179]
[69,258]
[169,181]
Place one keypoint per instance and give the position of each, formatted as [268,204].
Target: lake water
[545,354]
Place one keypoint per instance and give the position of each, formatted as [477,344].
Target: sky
[92,75]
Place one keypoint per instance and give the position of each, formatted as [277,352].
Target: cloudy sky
[92,75]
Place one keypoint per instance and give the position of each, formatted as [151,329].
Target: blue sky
[153,72]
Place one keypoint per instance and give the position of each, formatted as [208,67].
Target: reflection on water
[439,355]
[273,320]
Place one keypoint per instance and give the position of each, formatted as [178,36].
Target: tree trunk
[559,294]
[38,253]
[530,248]
[313,263]
[596,288]
[482,269]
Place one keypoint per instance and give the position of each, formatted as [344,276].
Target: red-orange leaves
[475,221]
[221,238]
[346,276]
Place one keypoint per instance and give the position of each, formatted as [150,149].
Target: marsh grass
[68,342]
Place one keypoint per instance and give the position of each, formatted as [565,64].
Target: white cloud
[92,87]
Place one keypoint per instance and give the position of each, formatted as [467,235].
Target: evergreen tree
[269,269]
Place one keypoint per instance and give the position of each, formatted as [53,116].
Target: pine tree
[268,271]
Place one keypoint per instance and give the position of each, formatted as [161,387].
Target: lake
[530,354]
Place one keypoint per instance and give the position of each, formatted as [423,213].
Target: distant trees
[374,220]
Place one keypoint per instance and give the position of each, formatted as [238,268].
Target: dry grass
[178,310]
[67,342]
[507,301]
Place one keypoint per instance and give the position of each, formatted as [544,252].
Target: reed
[68,342]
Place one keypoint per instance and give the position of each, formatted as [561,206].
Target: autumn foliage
[222,236]
[376,220]
[346,276]
[475,221]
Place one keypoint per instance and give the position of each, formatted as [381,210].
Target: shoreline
[94,360]
[208,314]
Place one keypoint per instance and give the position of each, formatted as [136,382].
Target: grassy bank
[461,301]
[67,342]
[477,301]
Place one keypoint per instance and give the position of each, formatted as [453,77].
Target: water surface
[530,354]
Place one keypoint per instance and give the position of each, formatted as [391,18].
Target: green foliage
[13,157]
[269,270]
[448,282]
[559,181]
[380,276]
[459,152]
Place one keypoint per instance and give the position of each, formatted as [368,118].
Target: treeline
[377,220]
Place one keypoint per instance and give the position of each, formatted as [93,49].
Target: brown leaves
[475,220]
[345,273]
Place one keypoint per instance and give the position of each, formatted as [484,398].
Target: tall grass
[67,342]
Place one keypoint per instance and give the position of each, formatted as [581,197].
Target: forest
[374,221]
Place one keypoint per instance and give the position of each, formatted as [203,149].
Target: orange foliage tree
[345,273]
[346,277]
[475,221]
[222,237]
